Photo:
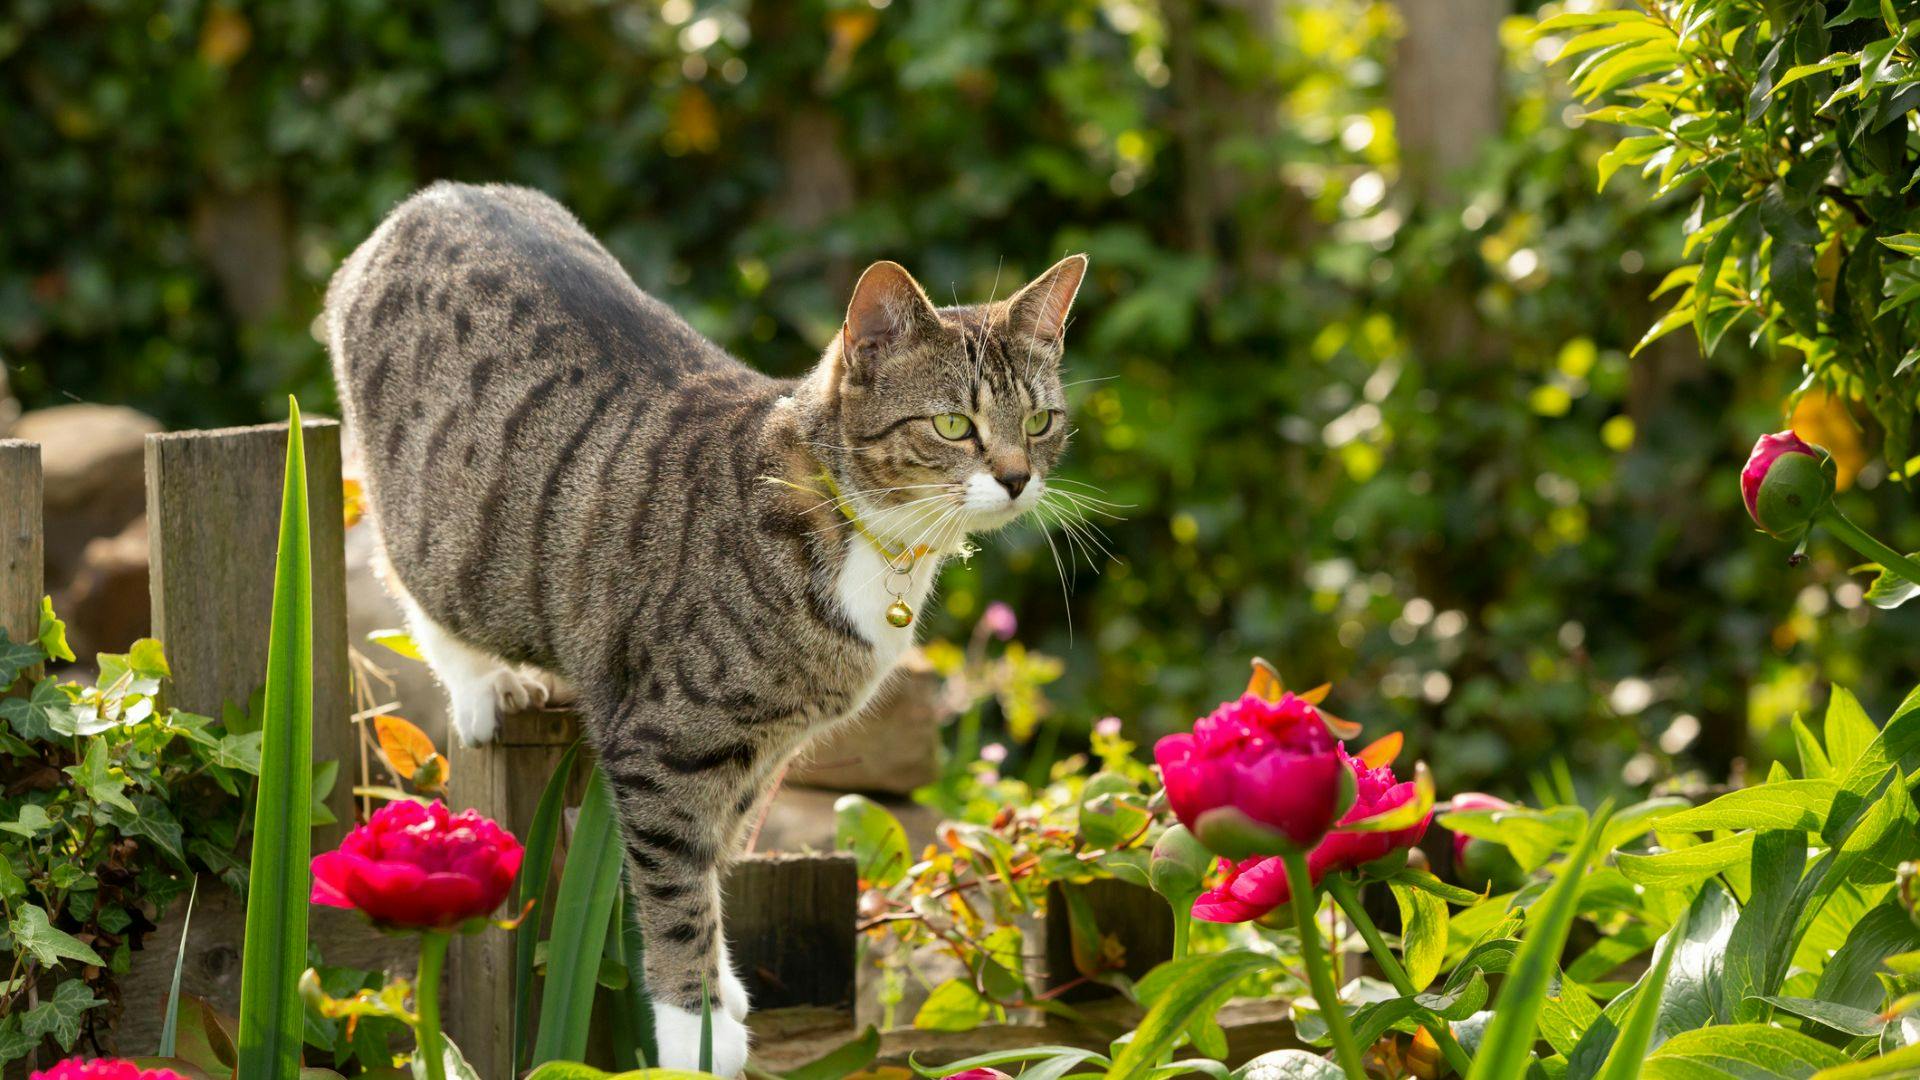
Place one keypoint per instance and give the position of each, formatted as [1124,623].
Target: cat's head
[942,421]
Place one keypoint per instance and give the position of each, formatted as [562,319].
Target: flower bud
[1179,866]
[1786,484]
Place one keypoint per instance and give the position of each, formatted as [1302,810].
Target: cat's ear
[888,309]
[1038,313]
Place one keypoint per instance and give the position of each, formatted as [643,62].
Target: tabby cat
[573,488]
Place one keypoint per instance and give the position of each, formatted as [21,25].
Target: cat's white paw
[731,991]
[558,690]
[677,1032]
[517,689]
[476,713]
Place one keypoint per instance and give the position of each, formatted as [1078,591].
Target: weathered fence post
[502,780]
[213,515]
[790,926]
[1136,917]
[22,554]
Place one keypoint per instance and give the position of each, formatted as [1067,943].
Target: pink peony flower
[1256,886]
[1108,726]
[1473,800]
[104,1069]
[1256,777]
[980,1074]
[1000,621]
[420,867]
[1782,491]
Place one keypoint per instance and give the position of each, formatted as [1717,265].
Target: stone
[106,604]
[894,746]
[94,457]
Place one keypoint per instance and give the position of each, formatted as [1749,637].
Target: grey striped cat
[573,488]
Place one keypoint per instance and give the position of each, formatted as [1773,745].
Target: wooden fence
[213,507]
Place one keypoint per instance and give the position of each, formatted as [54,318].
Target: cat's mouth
[987,510]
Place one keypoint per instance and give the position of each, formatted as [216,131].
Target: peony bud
[105,1069]
[1786,484]
[1179,866]
[1257,777]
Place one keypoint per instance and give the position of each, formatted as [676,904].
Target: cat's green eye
[952,425]
[1039,422]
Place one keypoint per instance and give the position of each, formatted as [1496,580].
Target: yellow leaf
[1383,750]
[398,641]
[1265,683]
[409,753]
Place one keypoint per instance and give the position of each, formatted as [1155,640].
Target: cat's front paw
[476,714]
[677,1033]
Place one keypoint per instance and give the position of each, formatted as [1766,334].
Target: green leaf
[1842,1018]
[1629,151]
[851,1057]
[1510,1036]
[33,931]
[15,657]
[1194,986]
[30,821]
[1740,1052]
[272,1016]
[1762,941]
[1800,71]
[1852,974]
[1423,932]
[1711,260]
[1688,993]
[1288,1065]
[876,838]
[53,633]
[1575,19]
[96,776]
[589,887]
[1413,877]
[1814,764]
[1889,590]
[43,715]
[1849,731]
[1685,866]
[1858,781]
[536,870]
[1901,1064]
[1801,805]
[997,1058]
[954,1005]
[60,1014]
[170,1025]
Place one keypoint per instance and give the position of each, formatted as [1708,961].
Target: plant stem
[1319,975]
[426,1000]
[1182,923]
[1863,542]
[1348,898]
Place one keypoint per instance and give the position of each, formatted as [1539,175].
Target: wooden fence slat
[22,550]
[790,925]
[213,515]
[1138,918]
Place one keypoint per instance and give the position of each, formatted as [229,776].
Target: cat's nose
[1014,482]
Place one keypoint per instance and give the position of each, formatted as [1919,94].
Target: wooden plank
[502,780]
[790,925]
[213,512]
[1138,918]
[22,542]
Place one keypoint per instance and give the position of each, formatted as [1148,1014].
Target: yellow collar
[845,506]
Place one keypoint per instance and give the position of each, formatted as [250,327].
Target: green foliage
[109,804]
[1791,122]
[589,889]
[274,952]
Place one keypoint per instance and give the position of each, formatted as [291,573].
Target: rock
[106,603]
[94,458]
[9,408]
[894,747]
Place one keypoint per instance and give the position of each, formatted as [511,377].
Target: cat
[573,489]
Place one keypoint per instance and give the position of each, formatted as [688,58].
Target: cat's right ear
[888,310]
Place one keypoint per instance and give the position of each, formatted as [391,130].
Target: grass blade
[275,951]
[706,1029]
[1510,1035]
[639,1002]
[170,1028]
[589,885]
[536,870]
[1630,1048]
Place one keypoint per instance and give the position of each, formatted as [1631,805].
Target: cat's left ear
[1039,311]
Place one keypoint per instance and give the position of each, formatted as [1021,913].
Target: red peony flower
[1785,484]
[980,1074]
[1256,886]
[104,1069]
[1256,777]
[1473,800]
[420,867]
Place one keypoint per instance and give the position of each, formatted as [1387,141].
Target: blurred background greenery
[1353,353]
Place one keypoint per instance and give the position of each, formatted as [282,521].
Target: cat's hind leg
[479,687]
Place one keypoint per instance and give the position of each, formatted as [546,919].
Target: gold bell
[899,614]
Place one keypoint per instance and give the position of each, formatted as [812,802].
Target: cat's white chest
[866,589]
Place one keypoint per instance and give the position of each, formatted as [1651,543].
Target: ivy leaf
[14,1044]
[44,715]
[49,944]
[95,776]
[29,823]
[59,1015]
[53,633]
[15,657]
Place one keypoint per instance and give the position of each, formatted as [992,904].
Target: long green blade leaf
[1510,1036]
[170,1027]
[536,869]
[589,884]
[1630,1049]
[275,951]
[639,1001]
